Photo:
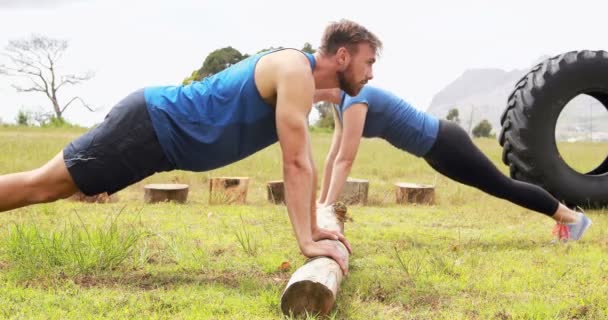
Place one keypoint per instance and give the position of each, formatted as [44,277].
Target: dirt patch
[169,280]
[503,315]
[582,312]
[431,299]
[218,252]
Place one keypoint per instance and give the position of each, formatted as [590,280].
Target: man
[212,123]
[445,146]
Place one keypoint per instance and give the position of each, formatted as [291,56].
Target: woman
[444,145]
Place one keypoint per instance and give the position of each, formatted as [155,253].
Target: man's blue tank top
[214,122]
[393,119]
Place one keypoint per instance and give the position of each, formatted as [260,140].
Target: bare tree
[36,59]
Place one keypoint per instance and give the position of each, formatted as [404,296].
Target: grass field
[470,256]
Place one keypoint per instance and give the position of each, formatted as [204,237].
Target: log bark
[313,288]
[154,193]
[276,191]
[414,193]
[228,190]
[354,192]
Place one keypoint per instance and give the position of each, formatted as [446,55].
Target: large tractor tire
[529,122]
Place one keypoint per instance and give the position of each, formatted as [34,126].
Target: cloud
[35,3]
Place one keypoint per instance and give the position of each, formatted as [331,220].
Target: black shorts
[122,150]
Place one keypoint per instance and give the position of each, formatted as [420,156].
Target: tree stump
[276,191]
[165,192]
[354,192]
[414,193]
[313,288]
[98,198]
[228,190]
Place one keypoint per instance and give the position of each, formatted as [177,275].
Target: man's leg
[50,182]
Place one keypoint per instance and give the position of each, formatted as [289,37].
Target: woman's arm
[331,156]
[332,96]
[352,130]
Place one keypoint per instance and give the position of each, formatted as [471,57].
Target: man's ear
[343,58]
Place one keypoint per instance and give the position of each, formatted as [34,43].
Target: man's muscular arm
[295,90]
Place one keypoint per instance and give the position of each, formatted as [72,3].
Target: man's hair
[349,34]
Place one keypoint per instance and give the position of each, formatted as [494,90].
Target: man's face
[357,69]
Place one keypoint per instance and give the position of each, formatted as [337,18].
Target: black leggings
[455,156]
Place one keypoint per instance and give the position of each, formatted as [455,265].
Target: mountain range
[482,94]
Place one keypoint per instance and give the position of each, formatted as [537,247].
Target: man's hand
[326,248]
[321,234]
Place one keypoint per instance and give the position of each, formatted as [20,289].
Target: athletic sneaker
[572,231]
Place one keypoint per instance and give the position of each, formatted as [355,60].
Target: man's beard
[347,86]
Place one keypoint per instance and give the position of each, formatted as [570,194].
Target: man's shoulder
[289,61]
[281,70]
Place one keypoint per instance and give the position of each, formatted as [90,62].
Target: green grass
[73,249]
[469,256]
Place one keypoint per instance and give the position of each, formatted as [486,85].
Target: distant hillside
[482,94]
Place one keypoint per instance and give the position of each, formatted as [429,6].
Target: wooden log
[313,288]
[276,191]
[228,190]
[354,192]
[98,198]
[166,192]
[414,193]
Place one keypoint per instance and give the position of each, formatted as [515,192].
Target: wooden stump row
[233,190]
[355,192]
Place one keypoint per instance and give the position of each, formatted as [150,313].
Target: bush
[54,122]
[24,118]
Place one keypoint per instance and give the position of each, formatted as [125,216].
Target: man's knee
[45,195]
[44,186]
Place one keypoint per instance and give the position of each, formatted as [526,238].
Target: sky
[130,44]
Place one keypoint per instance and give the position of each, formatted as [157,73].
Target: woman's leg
[455,156]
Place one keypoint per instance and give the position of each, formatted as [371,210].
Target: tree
[308,48]
[36,59]
[223,58]
[219,60]
[215,62]
[269,49]
[482,129]
[453,115]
